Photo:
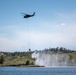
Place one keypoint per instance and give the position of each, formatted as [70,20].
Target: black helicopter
[27,15]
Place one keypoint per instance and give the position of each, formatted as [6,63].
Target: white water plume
[51,59]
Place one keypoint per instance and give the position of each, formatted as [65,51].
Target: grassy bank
[25,59]
[11,59]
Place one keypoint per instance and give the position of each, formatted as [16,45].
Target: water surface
[37,71]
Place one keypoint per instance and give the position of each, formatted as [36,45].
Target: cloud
[50,35]
[62,24]
[7,44]
[38,40]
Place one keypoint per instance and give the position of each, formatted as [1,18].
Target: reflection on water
[37,71]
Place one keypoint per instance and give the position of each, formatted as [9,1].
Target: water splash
[51,59]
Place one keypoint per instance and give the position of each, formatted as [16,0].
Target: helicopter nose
[24,17]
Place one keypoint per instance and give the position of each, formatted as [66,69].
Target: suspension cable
[28,34]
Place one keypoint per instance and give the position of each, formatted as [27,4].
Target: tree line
[29,53]
[57,50]
[17,53]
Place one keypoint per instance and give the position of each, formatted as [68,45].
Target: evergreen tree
[27,62]
[1,59]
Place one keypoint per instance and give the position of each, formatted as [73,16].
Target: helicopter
[28,15]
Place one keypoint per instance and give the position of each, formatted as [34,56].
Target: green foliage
[1,59]
[19,58]
[27,62]
[17,53]
[58,50]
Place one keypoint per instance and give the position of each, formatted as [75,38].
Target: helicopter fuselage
[27,16]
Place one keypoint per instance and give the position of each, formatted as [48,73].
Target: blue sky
[53,25]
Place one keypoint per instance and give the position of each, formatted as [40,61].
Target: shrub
[1,59]
[27,62]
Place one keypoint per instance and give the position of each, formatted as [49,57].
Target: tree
[27,62]
[1,59]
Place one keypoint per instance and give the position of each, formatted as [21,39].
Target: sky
[54,24]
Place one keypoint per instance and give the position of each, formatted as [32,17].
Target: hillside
[25,58]
[16,58]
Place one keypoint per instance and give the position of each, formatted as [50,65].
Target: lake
[37,71]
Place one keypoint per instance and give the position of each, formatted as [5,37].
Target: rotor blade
[24,13]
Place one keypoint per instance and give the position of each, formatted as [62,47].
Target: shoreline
[20,66]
